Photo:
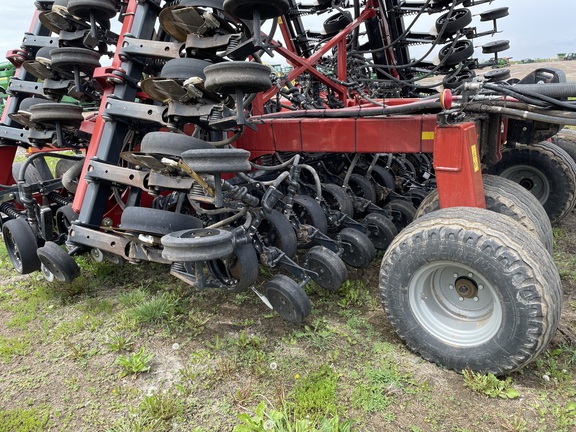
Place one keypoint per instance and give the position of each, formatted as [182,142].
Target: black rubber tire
[222,160]
[545,170]
[57,263]
[184,68]
[309,211]
[383,177]
[156,222]
[199,244]
[509,271]
[103,9]
[566,145]
[250,77]
[32,176]
[461,51]
[171,144]
[358,251]
[508,198]
[238,271]
[416,196]
[50,113]
[66,58]
[495,47]
[65,215]
[493,14]
[243,9]
[21,245]
[456,79]
[329,267]
[363,187]
[337,198]
[496,75]
[337,22]
[381,230]
[275,230]
[27,103]
[402,212]
[287,298]
[459,19]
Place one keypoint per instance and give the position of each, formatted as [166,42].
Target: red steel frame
[455,147]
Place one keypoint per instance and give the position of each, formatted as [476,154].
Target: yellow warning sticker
[428,136]
[475,162]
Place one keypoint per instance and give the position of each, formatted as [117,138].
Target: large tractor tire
[471,289]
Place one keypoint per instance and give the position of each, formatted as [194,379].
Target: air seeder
[188,150]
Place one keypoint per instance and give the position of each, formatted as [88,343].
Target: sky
[535,28]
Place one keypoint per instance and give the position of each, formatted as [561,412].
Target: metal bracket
[133,47]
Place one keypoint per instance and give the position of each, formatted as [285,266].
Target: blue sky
[535,28]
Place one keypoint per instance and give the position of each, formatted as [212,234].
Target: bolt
[461,298]
[455,275]
[476,299]
[470,275]
[480,287]
[451,286]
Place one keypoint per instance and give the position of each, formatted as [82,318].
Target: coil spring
[59,199]
[178,267]
[215,115]
[9,210]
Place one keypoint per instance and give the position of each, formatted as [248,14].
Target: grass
[132,349]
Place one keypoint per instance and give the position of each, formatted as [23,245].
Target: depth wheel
[363,188]
[330,269]
[275,230]
[545,170]
[457,20]
[452,55]
[155,221]
[50,113]
[287,298]
[171,144]
[21,245]
[64,218]
[337,199]
[237,271]
[227,77]
[358,251]
[469,288]
[402,212]
[57,264]
[212,161]
[309,211]
[381,230]
[198,244]
[267,8]
[67,58]
[103,9]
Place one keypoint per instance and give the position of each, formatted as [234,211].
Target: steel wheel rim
[282,304]
[530,178]
[13,250]
[466,320]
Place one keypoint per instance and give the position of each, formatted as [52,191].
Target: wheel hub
[466,288]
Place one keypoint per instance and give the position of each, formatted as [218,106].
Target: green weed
[135,363]
[119,342]
[160,308]
[24,420]
[314,396]
[161,406]
[13,346]
[489,385]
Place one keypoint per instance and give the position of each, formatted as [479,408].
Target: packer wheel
[275,230]
[287,298]
[381,230]
[243,9]
[213,161]
[21,245]
[329,267]
[57,265]
[357,249]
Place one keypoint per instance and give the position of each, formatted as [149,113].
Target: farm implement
[182,147]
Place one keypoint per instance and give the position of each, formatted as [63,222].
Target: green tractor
[7,70]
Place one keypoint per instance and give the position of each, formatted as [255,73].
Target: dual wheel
[469,288]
